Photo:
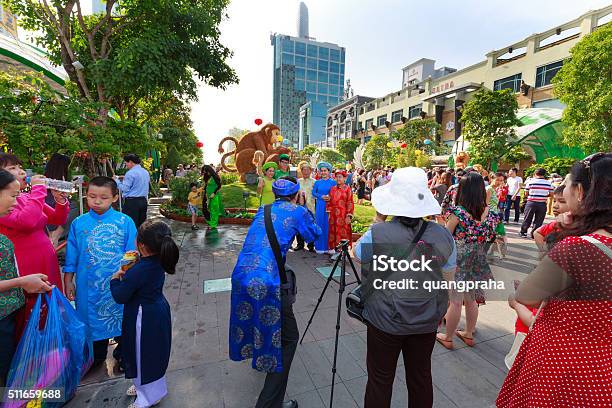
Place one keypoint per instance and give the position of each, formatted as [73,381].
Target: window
[300,48]
[368,124]
[323,65]
[397,116]
[342,80]
[414,111]
[343,116]
[311,75]
[323,89]
[332,100]
[324,53]
[343,56]
[311,51]
[311,97]
[545,74]
[334,55]
[333,79]
[287,58]
[512,82]
[334,67]
[333,90]
[311,63]
[300,73]
[323,77]
[300,61]
[300,85]
[380,121]
[287,45]
[311,87]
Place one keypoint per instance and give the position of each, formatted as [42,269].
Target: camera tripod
[341,260]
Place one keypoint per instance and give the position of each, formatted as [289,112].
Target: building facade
[312,124]
[8,22]
[305,70]
[527,67]
[342,120]
[16,55]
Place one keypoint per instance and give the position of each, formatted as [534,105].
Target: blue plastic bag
[54,353]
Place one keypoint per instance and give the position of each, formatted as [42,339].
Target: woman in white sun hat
[401,320]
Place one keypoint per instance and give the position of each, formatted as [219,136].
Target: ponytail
[169,254]
[157,237]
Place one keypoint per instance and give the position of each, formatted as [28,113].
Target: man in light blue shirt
[135,189]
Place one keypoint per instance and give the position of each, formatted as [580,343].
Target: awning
[450,90]
[540,135]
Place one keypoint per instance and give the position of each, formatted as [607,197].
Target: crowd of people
[461,216]
[116,261]
[114,302]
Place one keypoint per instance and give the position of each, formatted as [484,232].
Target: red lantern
[258,121]
[199,144]
[404,145]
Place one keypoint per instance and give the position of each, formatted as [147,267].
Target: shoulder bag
[355,300]
[286,274]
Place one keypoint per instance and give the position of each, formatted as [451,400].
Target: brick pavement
[201,375]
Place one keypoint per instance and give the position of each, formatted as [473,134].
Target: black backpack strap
[388,273]
[274,243]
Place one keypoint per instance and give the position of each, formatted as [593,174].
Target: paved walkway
[201,375]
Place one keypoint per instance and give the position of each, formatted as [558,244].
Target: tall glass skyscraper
[304,70]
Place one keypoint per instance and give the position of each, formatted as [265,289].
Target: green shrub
[229,178]
[179,186]
[559,165]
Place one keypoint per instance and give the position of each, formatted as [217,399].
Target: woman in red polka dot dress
[566,360]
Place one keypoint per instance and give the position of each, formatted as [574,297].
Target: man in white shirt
[514,195]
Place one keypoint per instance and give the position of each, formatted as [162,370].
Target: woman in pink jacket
[26,226]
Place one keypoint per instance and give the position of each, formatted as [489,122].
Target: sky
[380,36]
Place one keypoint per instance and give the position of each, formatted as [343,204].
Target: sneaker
[522,235]
[194,227]
[297,248]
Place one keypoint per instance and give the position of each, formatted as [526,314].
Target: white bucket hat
[406,195]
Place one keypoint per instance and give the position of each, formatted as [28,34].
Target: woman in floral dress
[473,226]
[341,207]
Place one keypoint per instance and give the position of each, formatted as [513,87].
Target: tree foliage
[584,84]
[377,154]
[488,122]
[347,147]
[134,49]
[37,121]
[415,132]
[332,156]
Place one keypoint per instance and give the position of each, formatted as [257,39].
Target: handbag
[520,337]
[286,274]
[355,300]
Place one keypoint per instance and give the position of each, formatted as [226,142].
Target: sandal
[447,344]
[131,392]
[467,340]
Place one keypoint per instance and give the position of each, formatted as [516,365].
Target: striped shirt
[538,189]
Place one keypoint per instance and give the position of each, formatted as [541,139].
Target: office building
[312,124]
[527,67]
[305,70]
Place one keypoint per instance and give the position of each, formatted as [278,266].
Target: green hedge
[229,178]
[179,186]
[559,165]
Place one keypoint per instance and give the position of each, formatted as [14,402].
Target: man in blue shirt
[135,189]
